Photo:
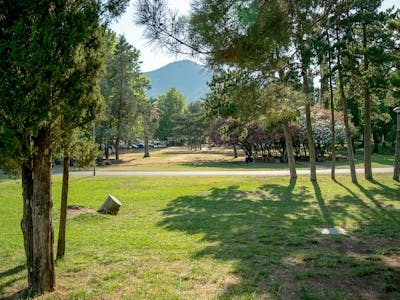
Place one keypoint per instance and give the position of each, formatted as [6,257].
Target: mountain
[186,76]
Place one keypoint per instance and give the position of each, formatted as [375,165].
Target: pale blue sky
[152,57]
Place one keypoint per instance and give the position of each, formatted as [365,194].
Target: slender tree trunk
[146,144]
[367,112]
[42,204]
[311,145]
[333,124]
[332,105]
[117,141]
[396,171]
[235,154]
[343,100]
[63,210]
[290,152]
[26,222]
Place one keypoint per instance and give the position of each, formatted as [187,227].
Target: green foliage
[50,73]
[280,103]
[395,82]
[85,153]
[172,106]
[235,93]
[123,88]
[239,33]
[194,125]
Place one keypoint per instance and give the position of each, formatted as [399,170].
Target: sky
[154,57]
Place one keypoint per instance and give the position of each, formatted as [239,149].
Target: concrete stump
[110,206]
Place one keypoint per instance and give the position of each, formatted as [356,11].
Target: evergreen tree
[171,106]
[50,62]
[123,90]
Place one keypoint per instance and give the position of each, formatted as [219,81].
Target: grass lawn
[180,158]
[217,238]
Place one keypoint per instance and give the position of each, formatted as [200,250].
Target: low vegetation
[225,238]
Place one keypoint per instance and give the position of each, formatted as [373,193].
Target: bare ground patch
[73,210]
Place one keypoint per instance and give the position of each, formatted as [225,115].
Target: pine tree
[123,89]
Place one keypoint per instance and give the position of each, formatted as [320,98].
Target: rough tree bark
[63,209]
[42,204]
[26,222]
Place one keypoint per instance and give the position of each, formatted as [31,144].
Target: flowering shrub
[321,127]
[258,142]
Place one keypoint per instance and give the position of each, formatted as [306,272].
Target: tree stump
[110,206]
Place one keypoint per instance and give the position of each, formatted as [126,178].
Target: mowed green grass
[217,238]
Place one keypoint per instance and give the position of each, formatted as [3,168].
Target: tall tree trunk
[42,204]
[311,145]
[396,170]
[26,222]
[343,100]
[367,116]
[290,152]
[63,210]
[332,105]
[235,154]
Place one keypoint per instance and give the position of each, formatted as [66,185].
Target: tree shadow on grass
[9,277]
[12,271]
[252,228]
[388,222]
[268,236]
[322,205]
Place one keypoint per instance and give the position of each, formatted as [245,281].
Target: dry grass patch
[174,157]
